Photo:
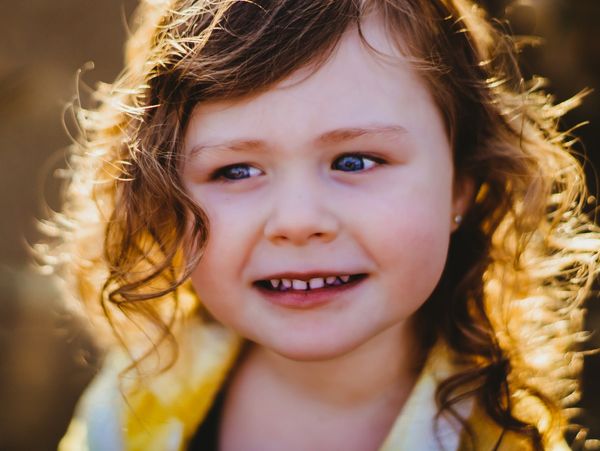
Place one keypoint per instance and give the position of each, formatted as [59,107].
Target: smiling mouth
[316,283]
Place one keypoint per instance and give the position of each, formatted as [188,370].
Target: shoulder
[160,412]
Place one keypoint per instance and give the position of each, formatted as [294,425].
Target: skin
[295,208]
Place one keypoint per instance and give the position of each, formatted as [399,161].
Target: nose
[301,214]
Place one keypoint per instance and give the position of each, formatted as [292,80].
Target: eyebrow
[335,136]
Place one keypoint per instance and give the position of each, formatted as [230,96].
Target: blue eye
[235,172]
[355,162]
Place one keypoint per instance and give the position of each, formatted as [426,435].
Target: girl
[318,225]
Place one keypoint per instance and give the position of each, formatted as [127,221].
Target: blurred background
[46,358]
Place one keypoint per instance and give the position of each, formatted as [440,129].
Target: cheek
[408,236]
[224,255]
[234,228]
[416,239]
[209,280]
[228,227]
[417,260]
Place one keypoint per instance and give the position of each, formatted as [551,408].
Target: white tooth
[299,284]
[287,283]
[330,280]
[275,283]
[317,282]
[345,278]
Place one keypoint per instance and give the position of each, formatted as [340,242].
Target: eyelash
[219,174]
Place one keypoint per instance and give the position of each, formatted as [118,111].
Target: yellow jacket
[165,412]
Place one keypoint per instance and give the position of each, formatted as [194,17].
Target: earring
[458,219]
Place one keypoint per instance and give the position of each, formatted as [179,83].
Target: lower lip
[310,298]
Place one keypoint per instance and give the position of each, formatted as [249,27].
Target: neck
[381,371]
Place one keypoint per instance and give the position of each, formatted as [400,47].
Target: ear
[462,198]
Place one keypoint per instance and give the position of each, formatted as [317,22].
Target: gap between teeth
[317,282]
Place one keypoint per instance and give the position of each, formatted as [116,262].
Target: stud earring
[458,219]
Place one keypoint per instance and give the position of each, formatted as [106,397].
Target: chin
[312,349]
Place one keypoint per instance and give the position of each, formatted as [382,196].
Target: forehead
[354,87]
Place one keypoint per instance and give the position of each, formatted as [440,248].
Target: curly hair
[509,303]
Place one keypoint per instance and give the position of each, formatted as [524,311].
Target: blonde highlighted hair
[509,303]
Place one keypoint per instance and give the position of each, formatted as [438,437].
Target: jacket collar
[163,412]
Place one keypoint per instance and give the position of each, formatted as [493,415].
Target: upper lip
[307,275]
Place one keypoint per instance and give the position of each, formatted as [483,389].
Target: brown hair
[509,303]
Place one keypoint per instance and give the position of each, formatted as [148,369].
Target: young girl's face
[346,172]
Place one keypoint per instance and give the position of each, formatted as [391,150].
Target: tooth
[345,278]
[299,284]
[287,283]
[317,282]
[275,283]
[331,280]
